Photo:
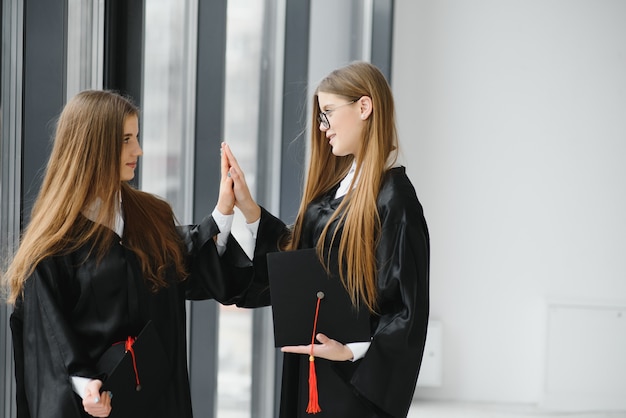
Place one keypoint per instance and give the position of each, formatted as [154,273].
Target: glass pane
[163,105]
[243,51]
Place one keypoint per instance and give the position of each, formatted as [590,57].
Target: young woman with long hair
[100,259]
[357,201]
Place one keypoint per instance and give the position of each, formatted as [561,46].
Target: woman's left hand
[328,349]
[95,403]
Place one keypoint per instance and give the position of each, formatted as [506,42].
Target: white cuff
[225,224]
[359,349]
[78,384]
[254,227]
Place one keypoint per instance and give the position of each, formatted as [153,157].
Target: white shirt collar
[345,183]
[92,211]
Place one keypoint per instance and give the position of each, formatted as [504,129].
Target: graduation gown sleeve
[229,278]
[387,375]
[257,293]
[272,229]
[46,352]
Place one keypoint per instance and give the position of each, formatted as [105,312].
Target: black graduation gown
[74,308]
[382,383]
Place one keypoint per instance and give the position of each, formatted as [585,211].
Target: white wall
[512,117]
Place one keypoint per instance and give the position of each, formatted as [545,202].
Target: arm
[47,352]
[218,266]
[265,228]
[388,373]
[225,278]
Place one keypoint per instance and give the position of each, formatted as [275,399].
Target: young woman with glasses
[357,200]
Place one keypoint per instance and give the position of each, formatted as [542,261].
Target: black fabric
[296,279]
[135,375]
[75,307]
[382,383]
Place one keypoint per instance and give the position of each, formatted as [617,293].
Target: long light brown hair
[358,212]
[84,168]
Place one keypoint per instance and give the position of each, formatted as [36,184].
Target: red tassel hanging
[314,407]
[129,347]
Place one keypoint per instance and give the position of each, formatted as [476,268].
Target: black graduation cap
[137,371]
[297,279]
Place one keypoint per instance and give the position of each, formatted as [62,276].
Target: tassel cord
[313,407]
[129,347]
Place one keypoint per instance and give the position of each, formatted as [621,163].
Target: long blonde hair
[357,213]
[84,167]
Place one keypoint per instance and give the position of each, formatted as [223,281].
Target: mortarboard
[136,372]
[296,277]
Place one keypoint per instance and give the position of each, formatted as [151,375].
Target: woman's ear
[365,103]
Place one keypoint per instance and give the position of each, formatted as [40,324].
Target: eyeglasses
[323,116]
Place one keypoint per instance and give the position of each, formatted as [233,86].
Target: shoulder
[396,180]
[55,277]
[397,196]
[62,262]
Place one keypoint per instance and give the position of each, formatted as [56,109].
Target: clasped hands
[234,190]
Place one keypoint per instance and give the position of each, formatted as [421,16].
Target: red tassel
[129,347]
[314,407]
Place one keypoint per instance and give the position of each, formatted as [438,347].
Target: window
[166,131]
[167,136]
[243,69]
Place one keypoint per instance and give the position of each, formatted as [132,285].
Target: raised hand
[329,349]
[243,198]
[226,198]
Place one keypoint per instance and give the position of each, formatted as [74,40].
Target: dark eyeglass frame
[322,117]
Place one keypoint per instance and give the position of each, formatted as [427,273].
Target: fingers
[242,196]
[297,349]
[228,153]
[327,348]
[231,159]
[95,403]
[232,166]
[92,390]
[98,405]
[224,165]
[226,196]
[306,349]
[318,349]
[104,398]
[240,186]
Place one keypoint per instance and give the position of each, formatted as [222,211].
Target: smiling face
[131,150]
[345,132]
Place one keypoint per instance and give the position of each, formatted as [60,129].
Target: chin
[334,150]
